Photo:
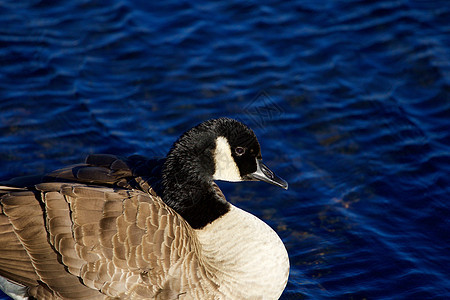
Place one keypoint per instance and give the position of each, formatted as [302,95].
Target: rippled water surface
[350,101]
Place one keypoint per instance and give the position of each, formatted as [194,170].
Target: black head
[221,149]
[218,149]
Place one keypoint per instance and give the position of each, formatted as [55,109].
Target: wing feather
[74,238]
[26,216]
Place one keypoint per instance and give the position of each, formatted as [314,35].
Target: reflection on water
[349,101]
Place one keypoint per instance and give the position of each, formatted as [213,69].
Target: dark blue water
[350,101]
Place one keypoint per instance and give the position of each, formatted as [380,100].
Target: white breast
[250,259]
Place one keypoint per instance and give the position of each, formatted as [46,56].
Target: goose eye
[239,151]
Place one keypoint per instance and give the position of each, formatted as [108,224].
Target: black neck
[192,196]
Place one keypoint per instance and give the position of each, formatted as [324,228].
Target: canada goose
[137,228]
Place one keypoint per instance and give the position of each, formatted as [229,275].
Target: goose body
[137,228]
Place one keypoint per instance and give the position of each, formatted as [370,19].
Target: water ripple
[351,102]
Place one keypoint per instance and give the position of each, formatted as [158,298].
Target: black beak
[263,173]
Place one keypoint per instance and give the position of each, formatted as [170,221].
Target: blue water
[350,101]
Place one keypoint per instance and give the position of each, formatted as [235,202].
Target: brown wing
[15,263]
[35,264]
[76,241]
[135,172]
[120,242]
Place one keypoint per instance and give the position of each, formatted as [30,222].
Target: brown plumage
[137,228]
[73,239]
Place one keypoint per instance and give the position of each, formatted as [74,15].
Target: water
[350,101]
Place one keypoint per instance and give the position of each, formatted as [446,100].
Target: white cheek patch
[226,168]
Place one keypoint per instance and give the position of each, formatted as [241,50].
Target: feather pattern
[113,242]
[100,230]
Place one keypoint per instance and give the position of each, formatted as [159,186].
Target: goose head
[237,156]
[218,149]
